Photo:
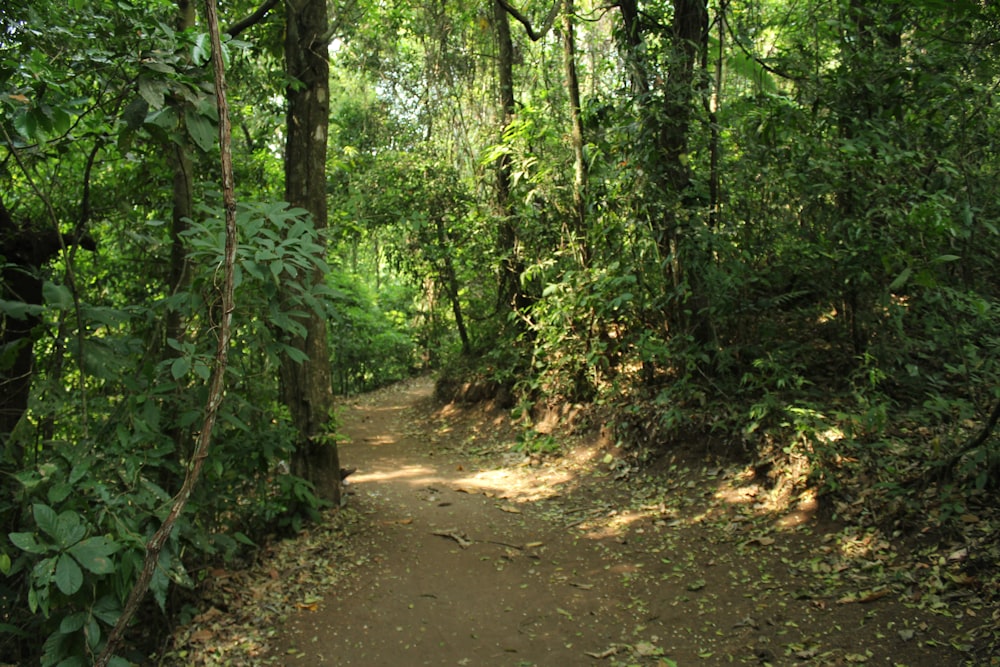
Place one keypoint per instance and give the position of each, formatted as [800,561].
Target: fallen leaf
[958,555]
[647,649]
[865,596]
[398,522]
[510,509]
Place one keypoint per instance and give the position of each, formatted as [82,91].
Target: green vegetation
[771,226]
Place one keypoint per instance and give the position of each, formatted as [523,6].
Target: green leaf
[107,610]
[152,92]
[69,577]
[93,634]
[202,49]
[240,537]
[19,310]
[69,529]
[26,125]
[202,370]
[5,564]
[93,554]
[72,661]
[27,542]
[200,129]
[900,279]
[46,519]
[57,296]
[73,622]
[61,120]
[180,367]
[79,471]
[59,492]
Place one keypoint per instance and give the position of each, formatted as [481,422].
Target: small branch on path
[454,535]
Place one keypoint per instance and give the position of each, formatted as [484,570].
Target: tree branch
[523,20]
[253,19]
[757,59]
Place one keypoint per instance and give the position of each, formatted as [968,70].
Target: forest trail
[463,554]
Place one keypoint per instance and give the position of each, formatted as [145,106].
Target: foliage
[788,250]
[370,342]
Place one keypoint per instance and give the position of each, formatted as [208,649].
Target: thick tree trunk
[689,40]
[306,386]
[667,127]
[25,250]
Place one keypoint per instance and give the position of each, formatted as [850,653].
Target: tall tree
[510,293]
[579,226]
[306,382]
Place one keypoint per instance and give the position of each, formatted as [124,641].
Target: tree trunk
[450,279]
[576,136]
[183,192]
[510,278]
[182,200]
[306,386]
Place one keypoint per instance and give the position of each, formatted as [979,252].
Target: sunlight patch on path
[414,474]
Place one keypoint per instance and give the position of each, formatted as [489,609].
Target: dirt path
[466,556]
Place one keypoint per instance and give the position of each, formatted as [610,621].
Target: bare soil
[457,549]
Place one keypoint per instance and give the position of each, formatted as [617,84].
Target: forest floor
[455,549]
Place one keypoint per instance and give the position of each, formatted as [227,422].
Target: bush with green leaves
[102,462]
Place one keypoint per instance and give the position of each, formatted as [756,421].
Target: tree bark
[510,275]
[307,386]
[576,137]
[450,279]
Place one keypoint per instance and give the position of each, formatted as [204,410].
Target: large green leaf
[19,310]
[201,130]
[57,296]
[46,519]
[69,576]
[93,554]
[27,542]
[73,622]
[69,529]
